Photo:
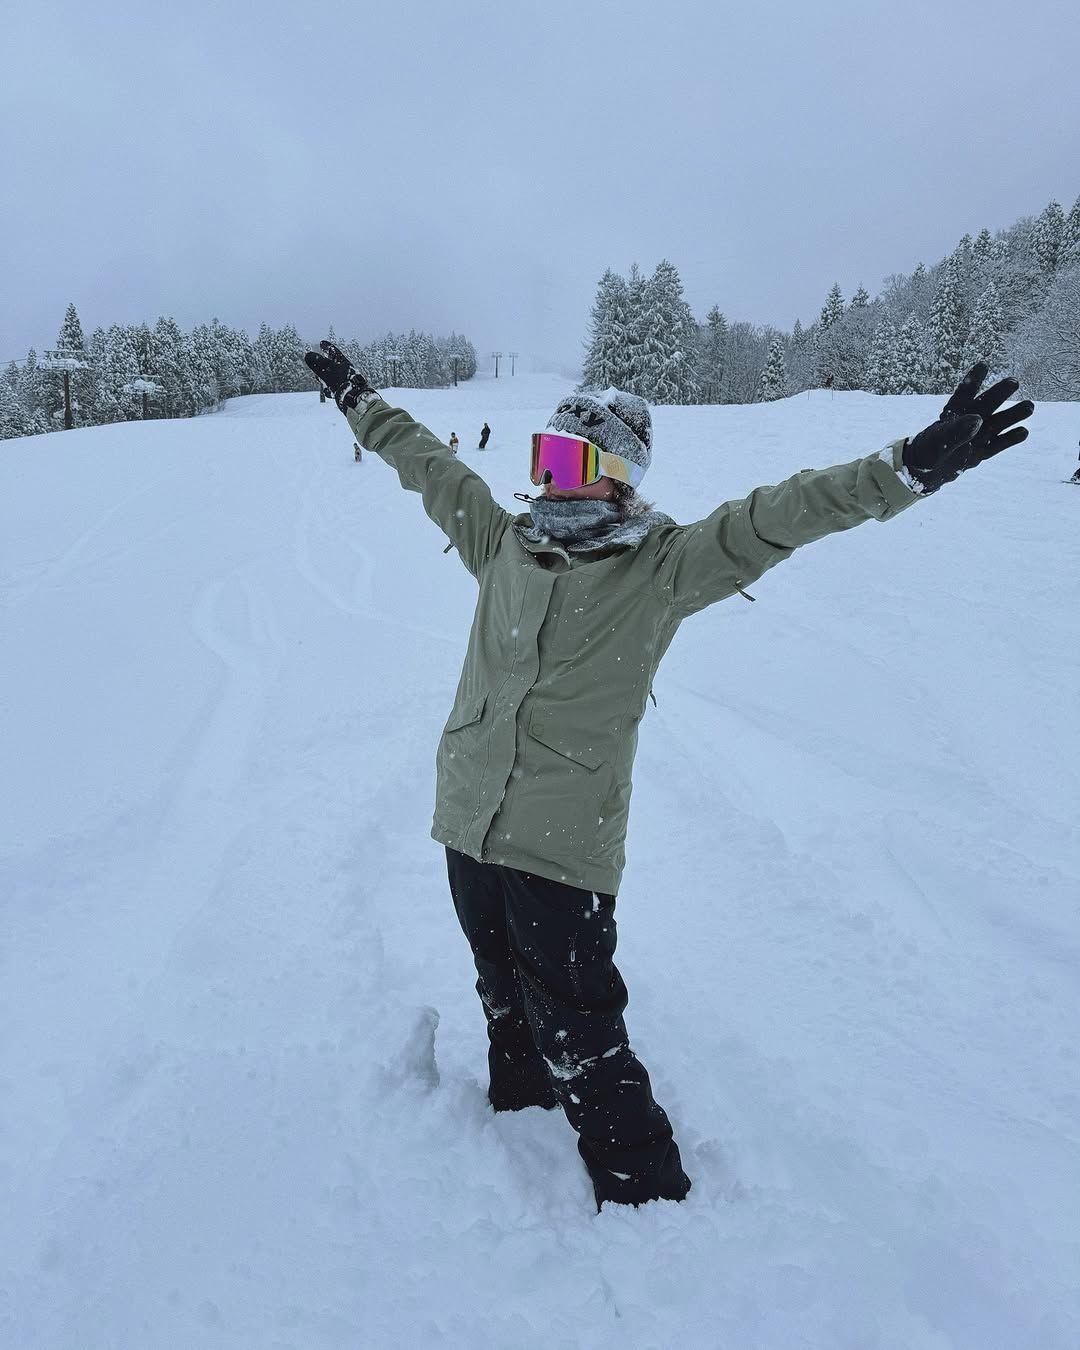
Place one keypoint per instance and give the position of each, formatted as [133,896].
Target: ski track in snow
[242,1062]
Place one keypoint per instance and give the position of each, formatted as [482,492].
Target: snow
[242,1058]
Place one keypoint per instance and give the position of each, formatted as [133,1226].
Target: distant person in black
[485,432]
[1076,477]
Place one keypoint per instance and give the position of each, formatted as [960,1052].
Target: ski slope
[241,1067]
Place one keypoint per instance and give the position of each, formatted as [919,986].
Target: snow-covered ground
[849,923]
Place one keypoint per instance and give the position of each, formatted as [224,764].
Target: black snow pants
[554,1003]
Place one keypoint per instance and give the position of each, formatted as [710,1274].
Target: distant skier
[485,432]
[579,599]
[453,443]
[356,453]
[1076,476]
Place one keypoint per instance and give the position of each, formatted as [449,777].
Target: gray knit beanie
[616,422]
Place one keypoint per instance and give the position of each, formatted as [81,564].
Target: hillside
[848,925]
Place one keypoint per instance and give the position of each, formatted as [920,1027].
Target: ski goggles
[574,462]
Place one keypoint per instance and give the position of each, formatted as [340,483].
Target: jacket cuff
[900,488]
[359,418]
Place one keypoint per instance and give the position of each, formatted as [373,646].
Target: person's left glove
[337,375]
[969,430]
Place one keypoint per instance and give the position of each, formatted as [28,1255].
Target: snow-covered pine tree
[205,391]
[970,275]
[982,247]
[172,366]
[115,363]
[712,347]
[366,360]
[638,371]
[33,395]
[436,375]
[861,298]
[14,420]
[985,341]
[142,341]
[413,354]
[450,348]
[844,347]
[70,340]
[833,308]
[909,364]
[606,344]
[291,374]
[1044,351]
[1047,238]
[1070,235]
[233,360]
[671,338]
[263,353]
[831,314]
[948,330]
[919,298]
[774,372]
[1017,273]
[881,365]
[401,360]
[801,359]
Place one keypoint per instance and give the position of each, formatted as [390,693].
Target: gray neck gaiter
[578,523]
[586,524]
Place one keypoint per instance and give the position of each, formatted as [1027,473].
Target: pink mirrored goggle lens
[571,461]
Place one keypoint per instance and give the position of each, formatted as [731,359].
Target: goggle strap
[622,470]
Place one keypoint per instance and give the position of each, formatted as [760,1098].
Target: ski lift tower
[65,360]
[497,357]
[147,385]
[513,362]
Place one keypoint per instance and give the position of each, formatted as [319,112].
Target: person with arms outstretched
[579,599]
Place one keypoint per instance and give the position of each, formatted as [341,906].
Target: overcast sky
[473,165]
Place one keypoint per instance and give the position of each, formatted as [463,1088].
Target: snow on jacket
[534,765]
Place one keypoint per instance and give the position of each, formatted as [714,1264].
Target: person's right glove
[337,375]
[969,430]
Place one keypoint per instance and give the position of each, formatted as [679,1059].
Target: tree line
[1010,299]
[128,371]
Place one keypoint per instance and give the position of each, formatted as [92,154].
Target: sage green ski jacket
[534,765]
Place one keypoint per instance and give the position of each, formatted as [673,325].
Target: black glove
[337,375]
[969,430]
